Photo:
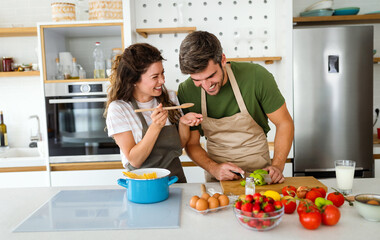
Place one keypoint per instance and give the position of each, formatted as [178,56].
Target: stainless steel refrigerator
[333,99]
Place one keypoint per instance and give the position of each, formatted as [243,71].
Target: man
[236,99]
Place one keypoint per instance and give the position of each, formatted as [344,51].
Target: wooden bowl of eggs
[206,203]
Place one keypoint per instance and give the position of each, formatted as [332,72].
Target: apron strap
[235,88]
[203,103]
[139,114]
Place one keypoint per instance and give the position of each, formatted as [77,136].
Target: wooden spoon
[185,105]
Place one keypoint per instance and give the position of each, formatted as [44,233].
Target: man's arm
[282,142]
[200,157]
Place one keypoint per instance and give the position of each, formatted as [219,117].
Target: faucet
[35,136]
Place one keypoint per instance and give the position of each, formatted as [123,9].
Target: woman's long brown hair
[127,70]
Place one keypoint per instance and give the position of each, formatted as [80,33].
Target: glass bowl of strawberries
[258,212]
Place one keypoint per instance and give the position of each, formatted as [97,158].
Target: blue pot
[148,190]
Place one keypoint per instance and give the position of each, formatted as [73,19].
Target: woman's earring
[134,85]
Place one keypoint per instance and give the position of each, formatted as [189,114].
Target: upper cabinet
[77,40]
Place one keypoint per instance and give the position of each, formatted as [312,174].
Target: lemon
[273,194]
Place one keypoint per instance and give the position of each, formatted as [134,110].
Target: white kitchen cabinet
[24,179]
[377,168]
[77,38]
[86,177]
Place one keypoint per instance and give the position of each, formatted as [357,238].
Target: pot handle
[122,182]
[172,180]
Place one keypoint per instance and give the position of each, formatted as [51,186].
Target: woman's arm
[189,119]
[138,153]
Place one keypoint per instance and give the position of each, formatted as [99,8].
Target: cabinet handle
[80,100]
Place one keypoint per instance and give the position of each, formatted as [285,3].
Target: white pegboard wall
[246,28]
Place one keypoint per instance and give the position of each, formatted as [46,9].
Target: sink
[19,153]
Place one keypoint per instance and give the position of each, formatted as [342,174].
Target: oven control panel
[85,88]
[76,89]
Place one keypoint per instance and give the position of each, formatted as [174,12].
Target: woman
[147,139]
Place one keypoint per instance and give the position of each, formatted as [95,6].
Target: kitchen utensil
[148,190]
[185,105]
[234,187]
[346,11]
[369,211]
[320,5]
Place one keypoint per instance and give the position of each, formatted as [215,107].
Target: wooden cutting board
[235,188]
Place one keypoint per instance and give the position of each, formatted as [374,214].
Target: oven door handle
[77,100]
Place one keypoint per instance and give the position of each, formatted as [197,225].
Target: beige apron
[166,150]
[237,139]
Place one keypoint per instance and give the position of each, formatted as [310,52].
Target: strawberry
[277,205]
[247,207]
[238,204]
[269,208]
[256,208]
[249,198]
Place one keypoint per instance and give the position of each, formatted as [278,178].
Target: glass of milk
[344,170]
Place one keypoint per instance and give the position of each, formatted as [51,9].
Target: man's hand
[224,171]
[275,174]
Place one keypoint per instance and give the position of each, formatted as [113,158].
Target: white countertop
[18,204]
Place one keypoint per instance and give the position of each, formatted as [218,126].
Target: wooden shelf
[330,20]
[78,80]
[145,31]
[376,60]
[267,60]
[376,140]
[18,32]
[20,74]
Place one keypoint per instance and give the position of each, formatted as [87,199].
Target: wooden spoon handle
[152,109]
[203,188]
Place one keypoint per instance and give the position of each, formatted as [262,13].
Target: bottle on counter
[3,132]
[99,62]
[74,69]
[82,72]
[58,70]
[250,187]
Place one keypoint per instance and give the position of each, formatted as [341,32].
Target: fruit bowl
[260,221]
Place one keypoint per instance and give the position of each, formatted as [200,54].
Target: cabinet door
[24,179]
[86,177]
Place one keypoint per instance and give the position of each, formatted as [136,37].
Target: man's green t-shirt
[258,89]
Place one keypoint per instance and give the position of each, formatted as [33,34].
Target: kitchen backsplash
[21,97]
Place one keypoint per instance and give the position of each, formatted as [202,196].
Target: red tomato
[289,190]
[321,190]
[290,205]
[310,220]
[330,215]
[312,195]
[306,205]
[337,198]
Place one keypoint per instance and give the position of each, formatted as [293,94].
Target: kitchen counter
[18,204]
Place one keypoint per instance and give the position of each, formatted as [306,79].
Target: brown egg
[201,205]
[205,196]
[193,201]
[216,195]
[223,200]
[213,203]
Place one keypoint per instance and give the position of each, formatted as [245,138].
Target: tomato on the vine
[330,215]
[306,205]
[321,190]
[310,220]
[312,195]
[290,205]
[337,198]
[289,191]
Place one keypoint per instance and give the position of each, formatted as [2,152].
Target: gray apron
[166,150]
[237,139]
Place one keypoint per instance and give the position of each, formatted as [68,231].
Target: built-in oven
[75,123]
